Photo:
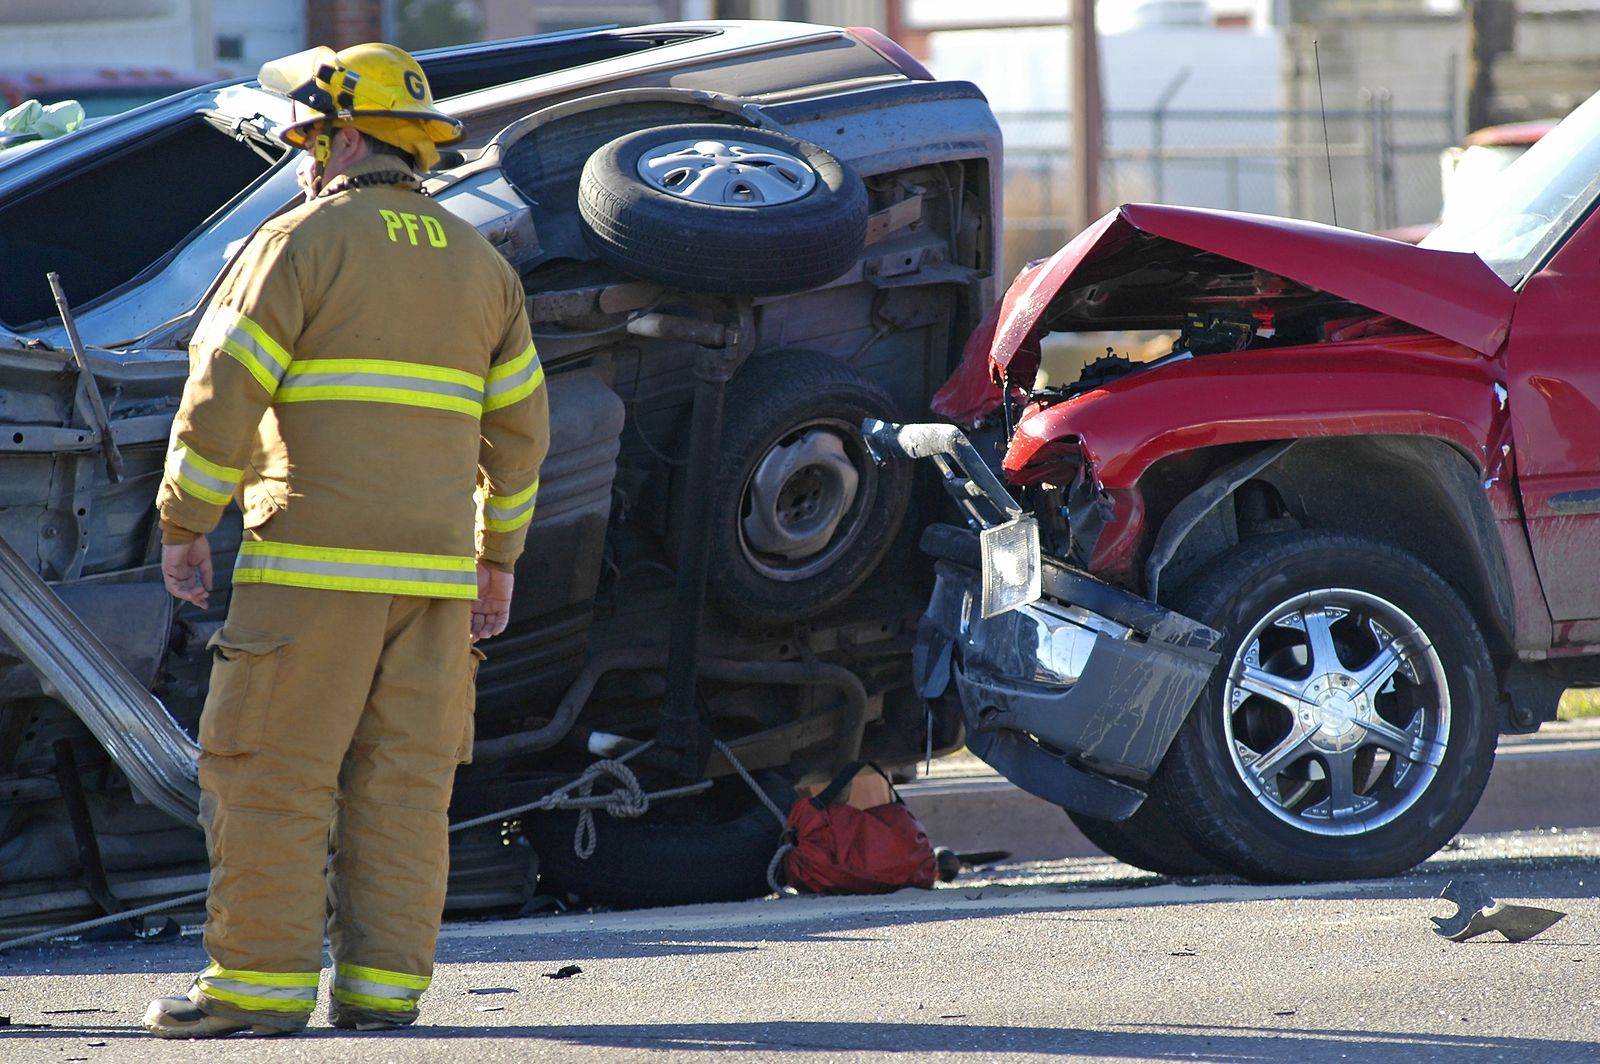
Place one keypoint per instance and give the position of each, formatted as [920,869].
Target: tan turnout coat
[352,430]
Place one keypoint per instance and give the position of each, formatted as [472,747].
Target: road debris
[950,863]
[1478,914]
[491,1008]
[492,990]
[564,972]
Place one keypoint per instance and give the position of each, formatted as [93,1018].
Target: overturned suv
[1264,603]
[738,240]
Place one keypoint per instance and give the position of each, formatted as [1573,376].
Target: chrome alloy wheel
[726,172]
[798,495]
[1337,712]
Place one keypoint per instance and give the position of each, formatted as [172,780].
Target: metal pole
[91,387]
[681,732]
[1158,131]
[1374,158]
[1086,116]
[1391,196]
[77,803]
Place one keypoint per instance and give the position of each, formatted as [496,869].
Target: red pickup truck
[1265,604]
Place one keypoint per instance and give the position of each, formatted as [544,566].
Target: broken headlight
[1011,565]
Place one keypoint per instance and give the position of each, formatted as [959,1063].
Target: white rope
[783,819]
[626,800]
[564,798]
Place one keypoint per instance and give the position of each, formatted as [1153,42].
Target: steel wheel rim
[727,173]
[800,506]
[1336,712]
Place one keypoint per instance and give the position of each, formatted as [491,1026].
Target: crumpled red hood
[1453,294]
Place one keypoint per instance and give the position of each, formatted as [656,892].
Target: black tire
[791,534]
[1148,840]
[1290,823]
[707,848]
[756,248]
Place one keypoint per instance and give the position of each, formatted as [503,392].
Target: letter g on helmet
[377,88]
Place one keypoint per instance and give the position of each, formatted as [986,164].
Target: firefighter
[365,385]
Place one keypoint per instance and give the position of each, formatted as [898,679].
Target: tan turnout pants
[334,724]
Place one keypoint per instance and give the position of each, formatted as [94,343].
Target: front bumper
[1074,698]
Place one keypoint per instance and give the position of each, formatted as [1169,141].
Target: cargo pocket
[261,499]
[244,665]
[469,709]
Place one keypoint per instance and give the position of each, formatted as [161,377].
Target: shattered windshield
[1522,217]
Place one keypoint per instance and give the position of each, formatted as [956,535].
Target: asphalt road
[1078,959]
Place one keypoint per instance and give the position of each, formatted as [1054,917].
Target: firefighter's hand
[186,568]
[492,612]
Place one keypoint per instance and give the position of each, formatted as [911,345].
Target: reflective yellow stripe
[199,491]
[201,477]
[513,367]
[248,344]
[419,983]
[248,1001]
[513,380]
[351,997]
[289,979]
[505,513]
[261,991]
[373,380]
[344,569]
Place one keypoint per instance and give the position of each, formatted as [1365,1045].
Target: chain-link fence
[1384,165]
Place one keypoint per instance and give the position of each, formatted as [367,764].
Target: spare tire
[725,209]
[801,513]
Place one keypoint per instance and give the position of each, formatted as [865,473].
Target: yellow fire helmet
[377,88]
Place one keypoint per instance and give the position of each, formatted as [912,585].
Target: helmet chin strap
[321,152]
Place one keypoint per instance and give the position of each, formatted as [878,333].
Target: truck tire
[801,514]
[1148,839]
[1350,726]
[725,209]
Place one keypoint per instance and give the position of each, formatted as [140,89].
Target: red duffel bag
[840,848]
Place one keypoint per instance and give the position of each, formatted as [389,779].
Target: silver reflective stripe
[369,988]
[201,477]
[257,990]
[391,382]
[264,357]
[188,467]
[510,513]
[358,572]
[511,382]
[225,329]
